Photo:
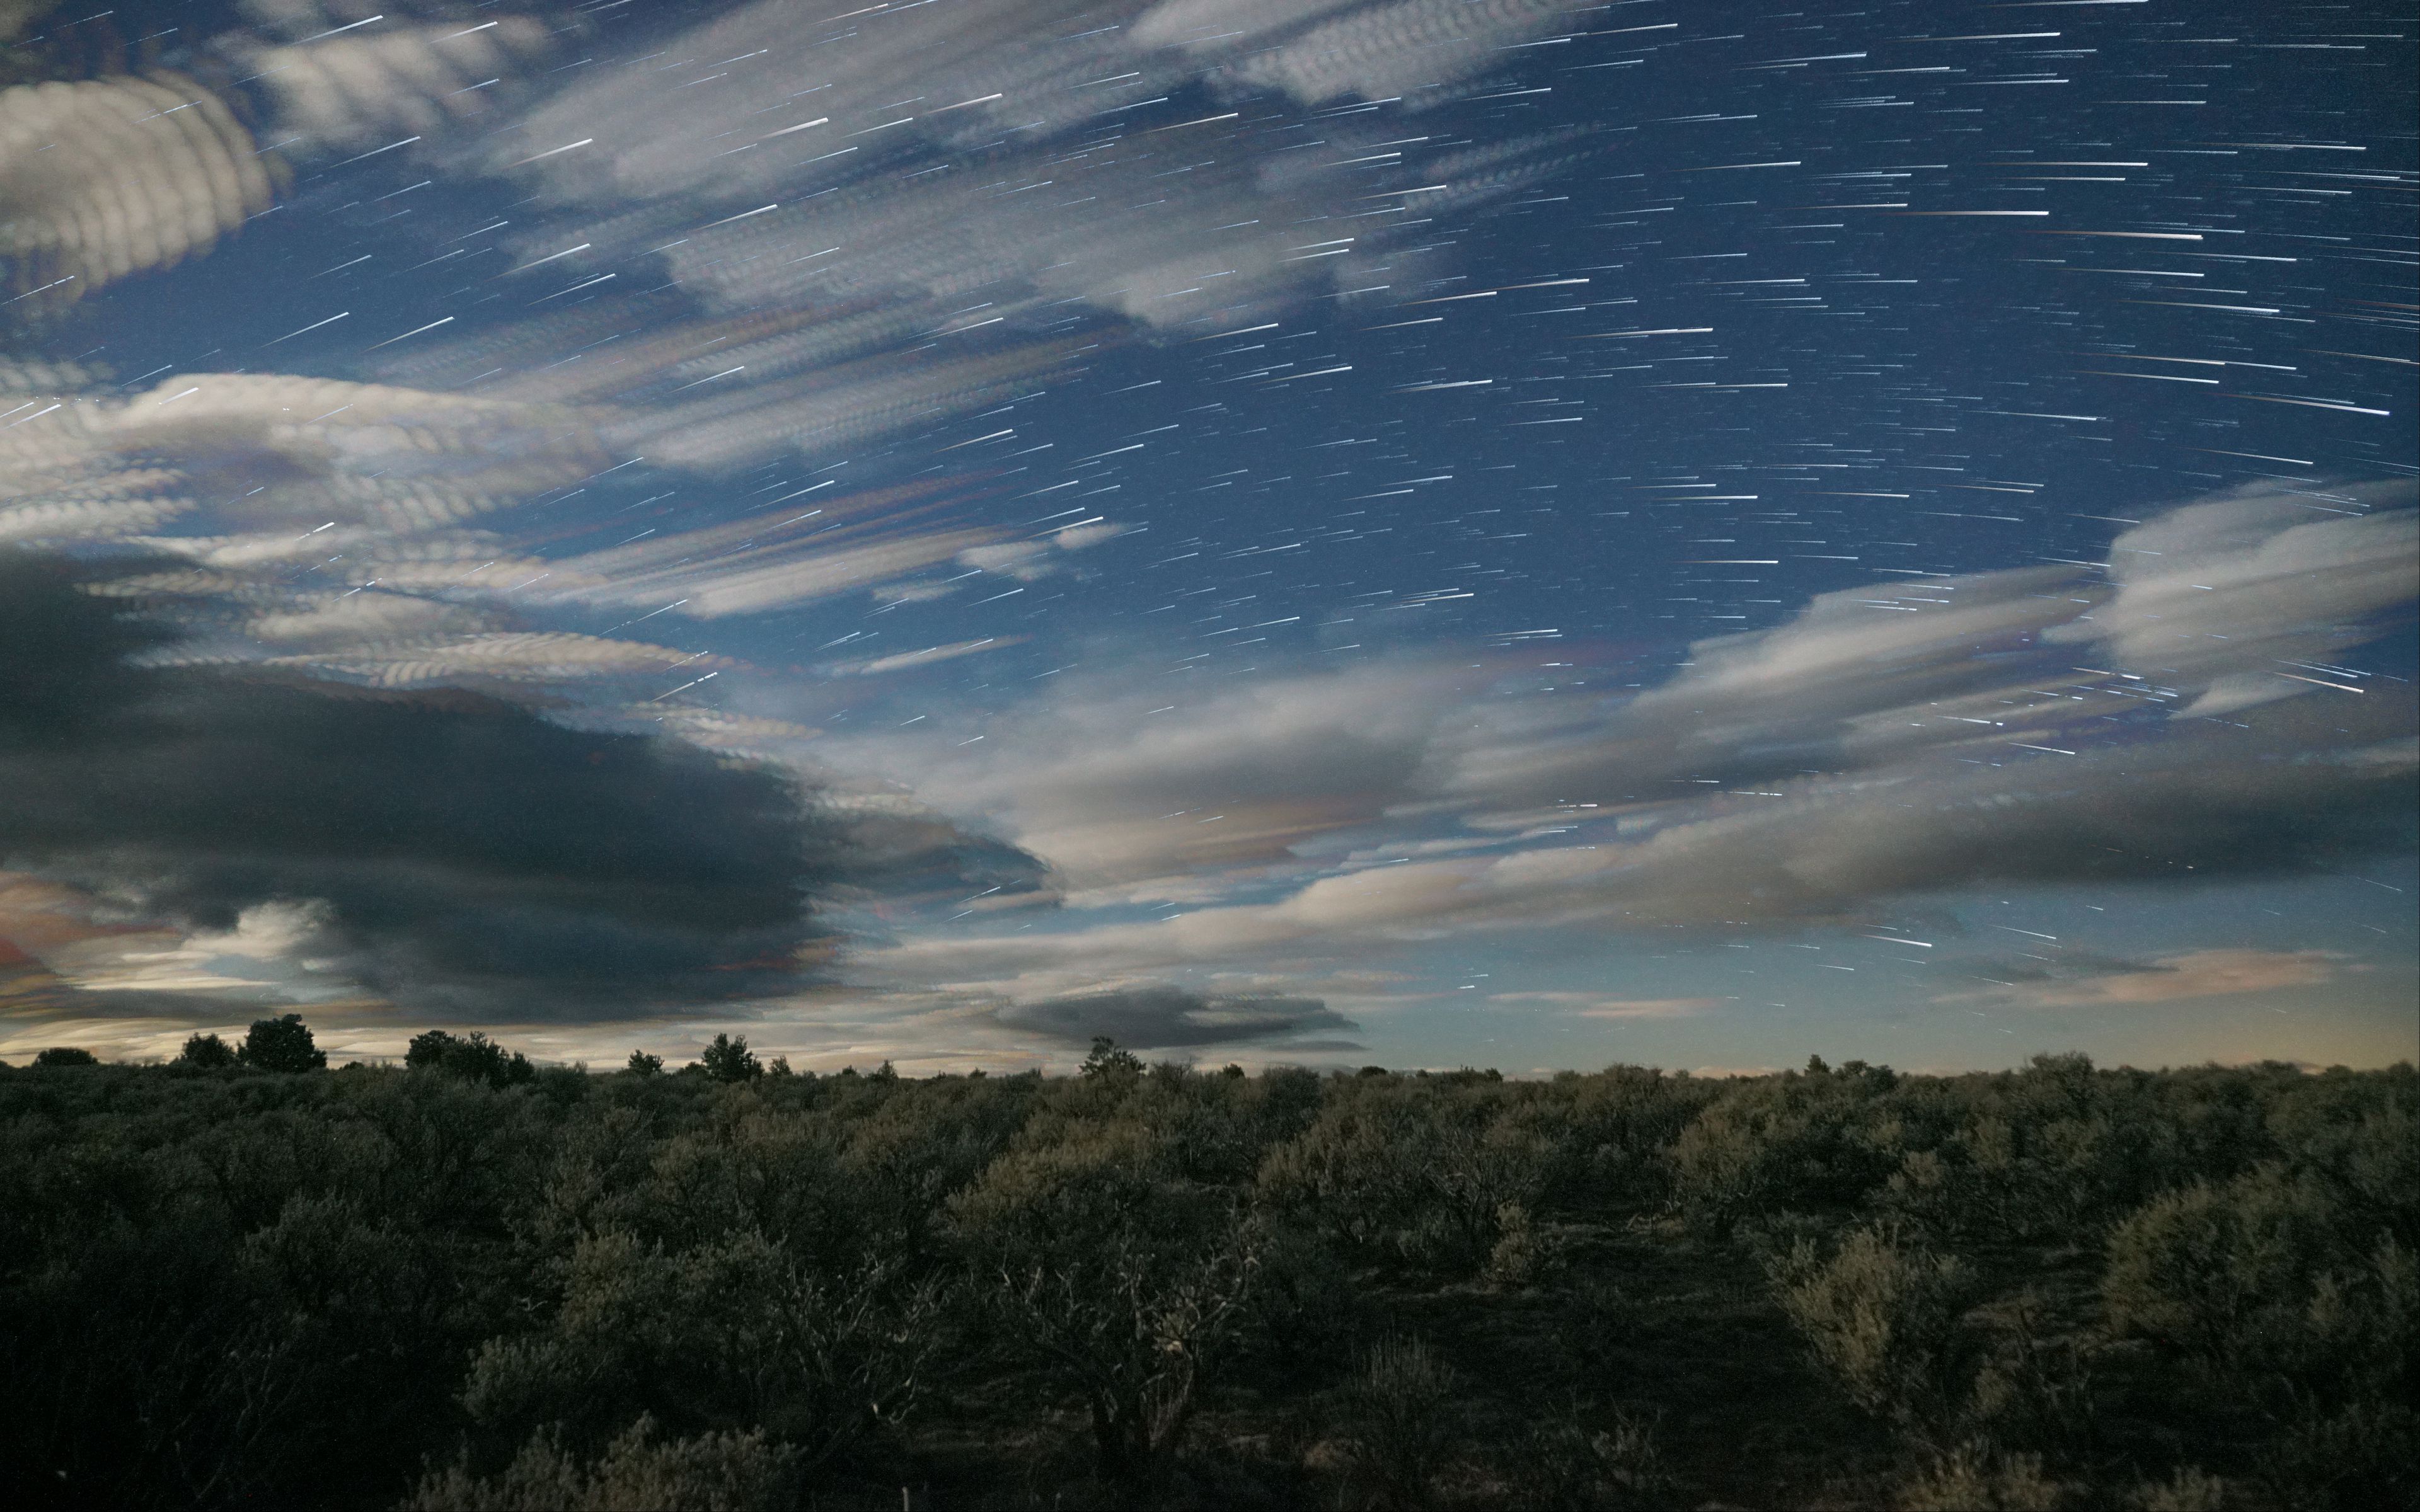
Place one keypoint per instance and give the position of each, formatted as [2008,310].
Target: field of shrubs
[470,1281]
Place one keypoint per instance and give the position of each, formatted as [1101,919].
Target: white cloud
[2227,596]
[1945,752]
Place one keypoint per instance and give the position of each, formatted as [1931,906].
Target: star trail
[1442,532]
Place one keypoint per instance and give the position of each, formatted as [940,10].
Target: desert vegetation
[470,1281]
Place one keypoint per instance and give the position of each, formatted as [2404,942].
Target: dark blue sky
[1558,534]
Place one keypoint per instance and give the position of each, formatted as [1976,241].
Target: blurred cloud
[2193,973]
[1158,1017]
[1884,742]
[444,851]
[2234,596]
[1597,1006]
[103,178]
[366,87]
[1112,790]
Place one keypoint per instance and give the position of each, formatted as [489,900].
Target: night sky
[1452,531]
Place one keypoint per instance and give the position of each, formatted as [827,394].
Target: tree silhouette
[728,1059]
[206,1052]
[644,1064]
[281,1045]
[1107,1060]
[66,1054]
[472,1056]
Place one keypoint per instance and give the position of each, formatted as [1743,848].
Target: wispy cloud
[2186,975]
[1885,743]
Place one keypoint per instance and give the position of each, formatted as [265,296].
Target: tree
[472,1056]
[644,1064]
[428,1049]
[1107,1060]
[67,1055]
[281,1045]
[206,1052]
[728,1059]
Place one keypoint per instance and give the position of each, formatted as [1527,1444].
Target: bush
[637,1473]
[2290,1329]
[1972,1478]
[1884,1319]
[1125,1281]
[2202,1269]
[1567,1466]
[2188,1490]
[224,1291]
[281,1045]
[1411,1173]
[735,1333]
[1793,1143]
[472,1056]
[1401,1405]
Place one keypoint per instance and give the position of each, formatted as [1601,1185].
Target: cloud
[2233,596]
[85,463]
[1598,1006]
[2191,609]
[111,176]
[366,88]
[1111,786]
[1405,49]
[1156,1017]
[2170,978]
[447,851]
[1886,742]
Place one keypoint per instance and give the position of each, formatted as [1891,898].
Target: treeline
[472,1282]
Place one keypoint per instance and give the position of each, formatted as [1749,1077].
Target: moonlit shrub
[1885,1319]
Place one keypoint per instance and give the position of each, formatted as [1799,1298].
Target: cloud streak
[1885,743]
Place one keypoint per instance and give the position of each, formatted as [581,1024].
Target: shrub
[1304,1311]
[1973,1478]
[206,1052]
[2199,1269]
[281,1045]
[732,1333]
[2038,1393]
[1521,1254]
[1885,1318]
[2292,1329]
[1124,1280]
[472,1056]
[1792,1143]
[2188,1490]
[1411,1172]
[1401,1405]
[637,1473]
[1567,1466]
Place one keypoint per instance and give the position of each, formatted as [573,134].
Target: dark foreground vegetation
[470,1281]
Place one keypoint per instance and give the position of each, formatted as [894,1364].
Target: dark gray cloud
[452,852]
[1160,1017]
